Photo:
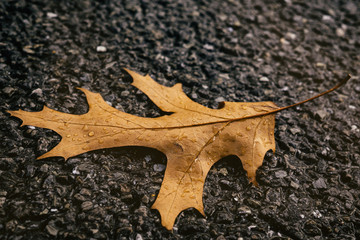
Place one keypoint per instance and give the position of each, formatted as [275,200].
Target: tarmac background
[219,50]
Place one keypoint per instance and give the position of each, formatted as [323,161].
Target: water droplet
[248,128]
[68,135]
[61,128]
[85,148]
[79,139]
[91,134]
[84,135]
[75,134]
[101,141]
[85,128]
[192,196]
[186,190]
[73,139]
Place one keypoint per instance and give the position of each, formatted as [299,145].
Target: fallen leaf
[193,137]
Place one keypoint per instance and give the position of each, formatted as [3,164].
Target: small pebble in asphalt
[320,183]
[101,49]
[159,167]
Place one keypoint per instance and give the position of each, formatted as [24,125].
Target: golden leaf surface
[193,137]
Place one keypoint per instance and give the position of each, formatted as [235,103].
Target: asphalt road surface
[280,51]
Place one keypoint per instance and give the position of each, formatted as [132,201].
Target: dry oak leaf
[193,137]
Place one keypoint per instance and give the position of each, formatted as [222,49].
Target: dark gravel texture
[219,50]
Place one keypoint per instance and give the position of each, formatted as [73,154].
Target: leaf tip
[165,222]
[252,179]
[40,157]
[17,114]
[132,74]
[48,155]
[201,210]
[12,112]
[129,71]
[45,155]
[255,183]
[82,89]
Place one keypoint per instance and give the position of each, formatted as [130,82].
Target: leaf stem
[342,82]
